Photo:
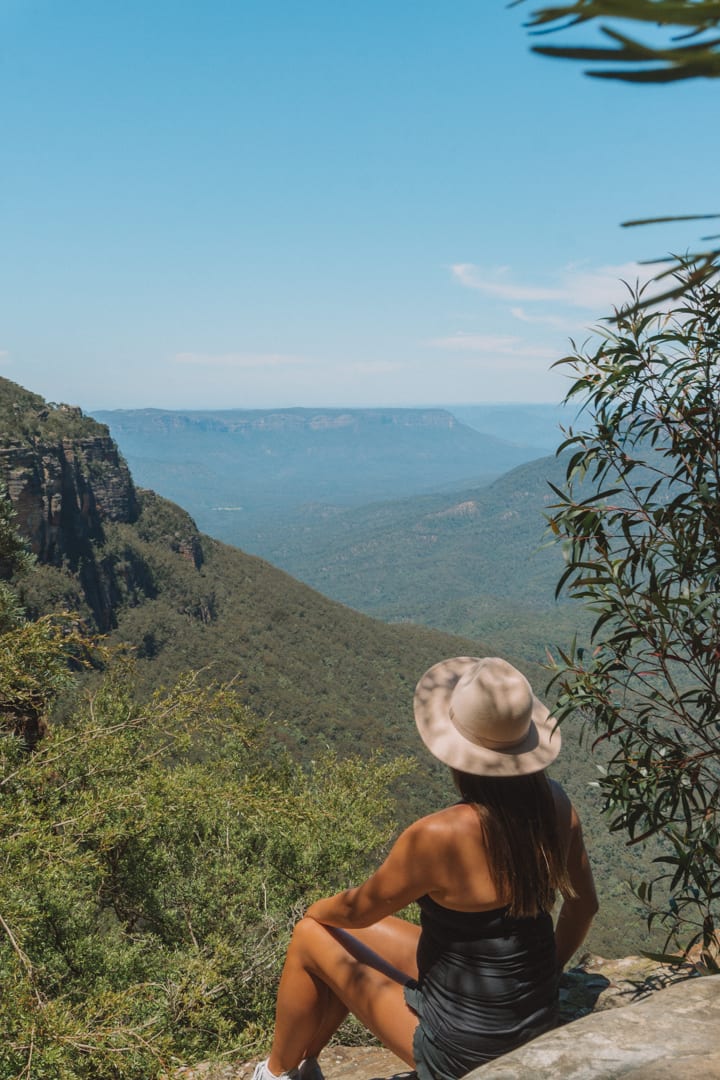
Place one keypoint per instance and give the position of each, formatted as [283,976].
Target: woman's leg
[330,972]
[394,939]
[390,946]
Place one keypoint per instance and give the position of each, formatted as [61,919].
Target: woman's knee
[305,933]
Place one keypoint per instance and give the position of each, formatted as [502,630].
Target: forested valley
[195,745]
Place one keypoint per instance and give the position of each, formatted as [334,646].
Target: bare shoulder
[450,821]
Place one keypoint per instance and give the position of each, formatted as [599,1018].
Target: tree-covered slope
[477,562]
[149,579]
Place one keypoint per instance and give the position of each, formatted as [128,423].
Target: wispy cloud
[554,321]
[494,344]
[373,367]
[238,360]
[4,356]
[492,283]
[597,290]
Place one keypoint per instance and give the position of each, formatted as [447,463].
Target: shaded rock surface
[64,489]
[597,984]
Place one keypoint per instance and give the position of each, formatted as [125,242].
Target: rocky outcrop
[63,491]
[670,1035]
[597,984]
[63,474]
[72,491]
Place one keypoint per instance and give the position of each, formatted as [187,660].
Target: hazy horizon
[447,406]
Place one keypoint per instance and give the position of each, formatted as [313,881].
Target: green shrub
[640,522]
[155,859]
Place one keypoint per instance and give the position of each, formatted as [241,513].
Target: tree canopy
[639,519]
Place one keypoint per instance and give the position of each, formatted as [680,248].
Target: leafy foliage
[640,522]
[638,62]
[154,857]
[691,19]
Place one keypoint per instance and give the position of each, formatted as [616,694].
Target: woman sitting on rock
[479,976]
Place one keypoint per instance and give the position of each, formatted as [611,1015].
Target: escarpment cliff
[69,487]
[64,489]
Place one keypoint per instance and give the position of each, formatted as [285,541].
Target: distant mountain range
[340,499]
[242,472]
[524,425]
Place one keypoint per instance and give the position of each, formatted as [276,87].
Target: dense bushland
[155,857]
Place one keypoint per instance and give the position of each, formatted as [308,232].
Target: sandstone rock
[674,1033]
[70,489]
[597,984]
[63,491]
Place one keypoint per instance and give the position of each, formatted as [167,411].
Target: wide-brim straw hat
[480,715]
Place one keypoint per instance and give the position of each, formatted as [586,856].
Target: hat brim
[432,716]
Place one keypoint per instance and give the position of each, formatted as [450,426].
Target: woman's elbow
[586,904]
[590,896]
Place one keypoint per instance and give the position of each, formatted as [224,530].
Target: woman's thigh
[393,939]
[367,985]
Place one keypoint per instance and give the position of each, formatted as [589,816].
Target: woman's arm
[406,874]
[576,913]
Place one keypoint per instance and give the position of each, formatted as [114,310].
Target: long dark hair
[519,822]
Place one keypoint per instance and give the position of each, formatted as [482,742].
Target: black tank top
[487,983]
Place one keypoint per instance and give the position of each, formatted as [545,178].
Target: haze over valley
[405,514]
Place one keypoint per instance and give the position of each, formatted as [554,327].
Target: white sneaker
[263,1073]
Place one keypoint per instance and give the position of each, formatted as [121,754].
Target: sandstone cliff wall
[70,487]
[63,491]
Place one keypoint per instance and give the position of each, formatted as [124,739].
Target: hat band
[480,740]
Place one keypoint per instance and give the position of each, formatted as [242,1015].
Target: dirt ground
[337,1062]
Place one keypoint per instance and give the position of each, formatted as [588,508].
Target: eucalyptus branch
[22,957]
[644,556]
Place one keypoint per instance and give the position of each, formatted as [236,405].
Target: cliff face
[63,490]
[68,485]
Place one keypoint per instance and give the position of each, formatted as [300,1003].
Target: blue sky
[259,203]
